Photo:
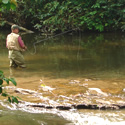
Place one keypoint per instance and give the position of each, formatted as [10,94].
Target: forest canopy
[59,15]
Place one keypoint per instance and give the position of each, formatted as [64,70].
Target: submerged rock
[95,98]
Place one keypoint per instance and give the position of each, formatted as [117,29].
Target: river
[70,69]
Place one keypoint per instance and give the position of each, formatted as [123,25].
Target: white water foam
[76,117]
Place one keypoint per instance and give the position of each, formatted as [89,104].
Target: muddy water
[75,66]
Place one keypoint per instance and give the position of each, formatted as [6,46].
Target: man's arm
[22,45]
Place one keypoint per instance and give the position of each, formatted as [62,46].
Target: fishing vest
[12,42]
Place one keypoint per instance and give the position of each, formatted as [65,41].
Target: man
[15,46]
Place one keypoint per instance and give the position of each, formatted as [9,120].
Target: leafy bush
[59,15]
[7,4]
[2,90]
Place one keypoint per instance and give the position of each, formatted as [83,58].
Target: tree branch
[21,28]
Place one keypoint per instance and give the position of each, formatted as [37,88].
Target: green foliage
[59,15]
[3,93]
[7,4]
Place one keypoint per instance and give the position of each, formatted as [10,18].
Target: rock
[85,84]
[87,80]
[96,91]
[74,81]
[124,90]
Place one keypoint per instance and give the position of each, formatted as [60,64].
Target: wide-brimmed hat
[14,26]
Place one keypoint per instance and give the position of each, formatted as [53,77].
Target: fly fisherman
[15,46]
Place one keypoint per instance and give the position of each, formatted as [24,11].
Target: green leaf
[1,81]
[14,99]
[13,81]
[9,99]
[13,6]
[7,80]
[93,12]
[5,1]
[43,85]
[0,90]
[18,97]
[1,72]
[4,94]
[97,5]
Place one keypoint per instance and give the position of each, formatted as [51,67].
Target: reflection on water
[95,60]
[19,118]
[86,55]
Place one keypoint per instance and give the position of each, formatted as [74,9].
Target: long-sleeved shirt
[20,42]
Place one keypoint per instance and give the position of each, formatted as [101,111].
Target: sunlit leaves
[8,4]
[5,1]
[97,5]
[9,1]
[14,1]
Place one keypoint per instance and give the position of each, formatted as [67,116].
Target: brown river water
[70,69]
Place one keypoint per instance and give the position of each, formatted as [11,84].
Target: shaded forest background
[60,15]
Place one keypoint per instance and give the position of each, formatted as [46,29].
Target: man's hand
[25,47]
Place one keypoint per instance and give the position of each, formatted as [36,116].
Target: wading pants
[16,59]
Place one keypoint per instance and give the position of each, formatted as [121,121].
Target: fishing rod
[34,44]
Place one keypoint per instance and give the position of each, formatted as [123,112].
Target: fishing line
[34,44]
